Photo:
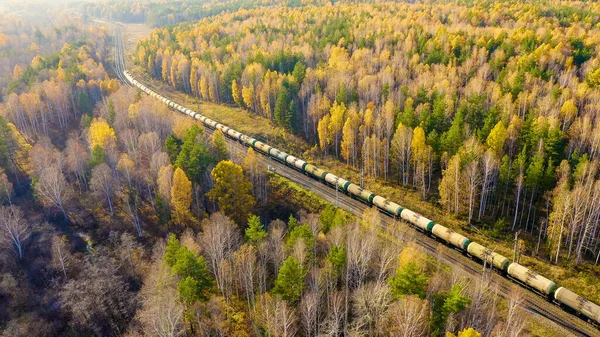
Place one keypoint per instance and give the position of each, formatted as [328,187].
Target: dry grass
[132,33]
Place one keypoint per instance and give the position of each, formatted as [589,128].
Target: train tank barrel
[583,306]
[389,206]
[361,193]
[481,252]
[315,172]
[450,236]
[531,278]
[417,220]
[342,183]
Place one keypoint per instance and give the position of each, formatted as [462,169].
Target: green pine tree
[290,280]
[255,232]
[172,147]
[408,280]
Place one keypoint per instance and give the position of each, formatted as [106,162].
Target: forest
[120,217]
[423,96]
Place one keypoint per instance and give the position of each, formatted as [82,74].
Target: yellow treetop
[100,133]
[469,332]
[497,138]
[248,95]
[17,72]
[181,198]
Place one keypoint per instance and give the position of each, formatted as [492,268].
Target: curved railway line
[450,254]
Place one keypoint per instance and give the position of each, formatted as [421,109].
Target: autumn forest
[122,217]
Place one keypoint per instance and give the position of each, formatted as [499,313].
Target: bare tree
[44,155]
[275,244]
[482,314]
[99,300]
[369,303]
[60,253]
[76,159]
[310,313]
[408,317]
[53,189]
[360,248]
[386,258]
[473,179]
[278,318]
[515,322]
[14,229]
[131,202]
[161,313]
[333,325]
[220,238]
[245,266]
[490,173]
[103,183]
[159,159]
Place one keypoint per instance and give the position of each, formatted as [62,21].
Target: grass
[295,194]
[542,330]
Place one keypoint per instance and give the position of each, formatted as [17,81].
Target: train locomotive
[521,274]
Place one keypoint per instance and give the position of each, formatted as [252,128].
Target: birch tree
[14,229]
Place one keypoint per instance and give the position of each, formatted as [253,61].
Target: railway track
[541,309]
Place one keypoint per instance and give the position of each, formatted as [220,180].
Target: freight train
[517,272]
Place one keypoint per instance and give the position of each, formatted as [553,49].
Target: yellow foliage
[496,139]
[36,62]
[469,332]
[181,198]
[100,133]
[33,47]
[17,72]
[181,125]
[236,93]
[248,96]
[132,111]
[412,253]
[232,191]
[23,147]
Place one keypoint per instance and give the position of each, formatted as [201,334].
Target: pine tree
[255,232]
[453,138]
[172,147]
[221,151]
[171,250]
[282,113]
[236,92]
[408,117]
[408,280]
[290,280]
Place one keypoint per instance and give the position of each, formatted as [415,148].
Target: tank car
[451,236]
[417,219]
[532,279]
[361,193]
[579,304]
[484,254]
